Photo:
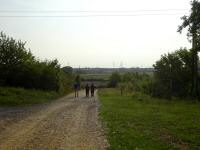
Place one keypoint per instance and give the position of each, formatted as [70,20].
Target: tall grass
[10,96]
[137,121]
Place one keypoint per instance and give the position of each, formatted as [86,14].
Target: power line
[89,11]
[71,16]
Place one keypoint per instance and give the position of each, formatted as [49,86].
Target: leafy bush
[19,68]
[173,73]
[115,78]
[10,96]
[131,82]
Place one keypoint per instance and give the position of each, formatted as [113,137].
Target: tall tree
[193,23]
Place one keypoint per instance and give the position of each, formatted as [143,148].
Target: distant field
[96,76]
[100,80]
[136,121]
[19,96]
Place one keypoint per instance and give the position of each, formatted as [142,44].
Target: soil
[65,124]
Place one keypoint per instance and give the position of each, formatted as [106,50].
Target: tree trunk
[194,88]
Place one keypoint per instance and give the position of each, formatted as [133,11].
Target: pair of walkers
[89,89]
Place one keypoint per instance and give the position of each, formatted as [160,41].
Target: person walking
[77,86]
[87,90]
[92,88]
[76,90]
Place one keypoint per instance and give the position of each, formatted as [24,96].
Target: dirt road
[64,124]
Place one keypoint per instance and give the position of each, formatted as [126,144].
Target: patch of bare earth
[179,143]
[67,123]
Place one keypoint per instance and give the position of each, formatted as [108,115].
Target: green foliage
[172,77]
[41,75]
[173,74]
[65,82]
[136,81]
[131,81]
[20,96]
[13,58]
[19,68]
[115,78]
[122,86]
[137,121]
[192,21]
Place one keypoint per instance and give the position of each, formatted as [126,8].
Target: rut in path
[67,123]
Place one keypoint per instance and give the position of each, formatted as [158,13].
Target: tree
[114,79]
[193,23]
[19,68]
[13,58]
[173,73]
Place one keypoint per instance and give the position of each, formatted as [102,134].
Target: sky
[97,33]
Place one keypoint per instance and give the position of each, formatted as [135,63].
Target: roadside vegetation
[172,77]
[159,110]
[22,74]
[138,121]
[176,74]
[10,96]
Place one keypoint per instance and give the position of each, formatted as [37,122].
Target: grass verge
[136,121]
[18,96]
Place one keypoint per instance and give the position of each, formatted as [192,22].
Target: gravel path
[64,124]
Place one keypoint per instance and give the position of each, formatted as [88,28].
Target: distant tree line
[19,68]
[110,70]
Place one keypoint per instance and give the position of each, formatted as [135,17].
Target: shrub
[115,78]
[173,73]
[19,68]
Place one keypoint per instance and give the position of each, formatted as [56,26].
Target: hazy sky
[97,41]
